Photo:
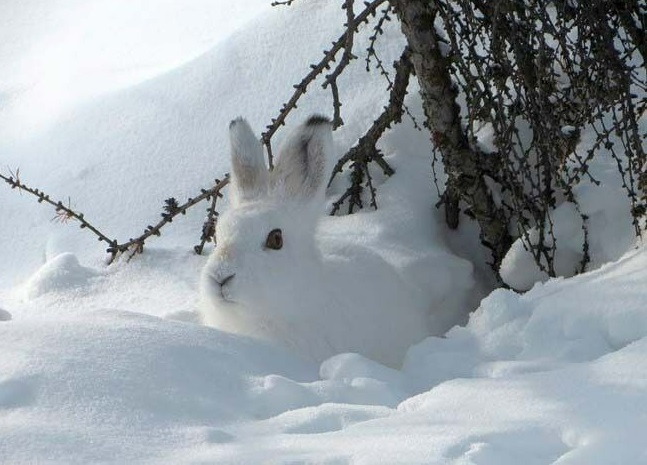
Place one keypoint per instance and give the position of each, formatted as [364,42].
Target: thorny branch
[172,209]
[378,30]
[209,225]
[62,211]
[347,56]
[285,2]
[371,54]
[329,57]
[136,245]
[366,151]
[561,68]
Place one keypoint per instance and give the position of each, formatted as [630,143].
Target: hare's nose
[226,280]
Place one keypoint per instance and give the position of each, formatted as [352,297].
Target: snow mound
[609,224]
[556,323]
[558,367]
[4,315]
[121,378]
[557,375]
[61,273]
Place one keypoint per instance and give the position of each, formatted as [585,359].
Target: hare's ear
[249,175]
[302,161]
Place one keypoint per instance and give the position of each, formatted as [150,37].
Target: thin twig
[378,30]
[136,245]
[365,151]
[316,70]
[346,58]
[209,225]
[62,211]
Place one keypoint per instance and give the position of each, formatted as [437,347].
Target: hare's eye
[274,239]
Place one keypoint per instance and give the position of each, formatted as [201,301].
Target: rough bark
[464,166]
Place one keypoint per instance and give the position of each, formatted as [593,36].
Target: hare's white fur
[305,296]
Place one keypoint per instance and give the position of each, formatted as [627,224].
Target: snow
[531,377]
[109,364]
[609,225]
[51,59]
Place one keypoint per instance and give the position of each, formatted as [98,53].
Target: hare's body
[270,277]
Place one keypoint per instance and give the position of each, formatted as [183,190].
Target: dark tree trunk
[464,166]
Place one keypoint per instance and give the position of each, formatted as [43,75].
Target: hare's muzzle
[222,282]
[225,280]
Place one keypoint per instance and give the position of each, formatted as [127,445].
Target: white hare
[270,277]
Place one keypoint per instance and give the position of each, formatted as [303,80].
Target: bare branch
[316,70]
[172,209]
[285,2]
[209,225]
[346,58]
[365,151]
[62,211]
[378,30]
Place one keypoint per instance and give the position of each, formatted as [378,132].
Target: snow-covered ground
[123,104]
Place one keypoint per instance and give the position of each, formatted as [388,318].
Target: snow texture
[110,364]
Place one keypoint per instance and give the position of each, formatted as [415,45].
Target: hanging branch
[354,192]
[346,58]
[371,53]
[378,30]
[366,150]
[325,63]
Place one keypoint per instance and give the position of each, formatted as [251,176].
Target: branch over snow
[366,151]
[171,210]
[63,213]
[345,42]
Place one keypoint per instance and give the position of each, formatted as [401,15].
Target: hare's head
[265,252]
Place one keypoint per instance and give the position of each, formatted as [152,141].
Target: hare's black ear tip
[236,121]
[317,120]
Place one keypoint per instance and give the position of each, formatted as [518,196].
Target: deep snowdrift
[555,375]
